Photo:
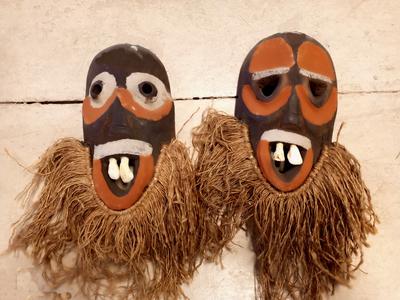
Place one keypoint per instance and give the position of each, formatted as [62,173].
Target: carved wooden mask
[128,114]
[287,95]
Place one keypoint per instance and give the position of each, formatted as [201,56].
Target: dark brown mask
[128,115]
[287,95]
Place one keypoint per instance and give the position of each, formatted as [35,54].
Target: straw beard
[146,251]
[305,241]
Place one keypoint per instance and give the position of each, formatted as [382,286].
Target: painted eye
[96,89]
[318,90]
[269,84]
[147,90]
[102,87]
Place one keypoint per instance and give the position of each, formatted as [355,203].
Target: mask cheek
[264,108]
[142,179]
[91,114]
[133,106]
[317,115]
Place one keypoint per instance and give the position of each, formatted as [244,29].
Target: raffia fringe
[144,252]
[306,241]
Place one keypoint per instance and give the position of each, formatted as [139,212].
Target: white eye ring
[103,85]
[133,82]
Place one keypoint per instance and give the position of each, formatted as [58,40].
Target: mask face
[287,96]
[128,115]
[121,208]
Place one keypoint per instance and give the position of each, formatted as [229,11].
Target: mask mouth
[285,158]
[120,171]
[120,162]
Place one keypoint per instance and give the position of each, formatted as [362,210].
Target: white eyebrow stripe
[313,75]
[269,72]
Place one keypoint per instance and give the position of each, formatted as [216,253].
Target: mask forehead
[123,59]
[314,58]
[270,54]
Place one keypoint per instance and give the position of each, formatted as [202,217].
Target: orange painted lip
[271,174]
[141,181]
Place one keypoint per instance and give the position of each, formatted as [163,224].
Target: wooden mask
[128,115]
[287,95]
[120,207]
[276,171]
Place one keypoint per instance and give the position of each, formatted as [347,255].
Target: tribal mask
[287,96]
[124,200]
[128,114]
[274,170]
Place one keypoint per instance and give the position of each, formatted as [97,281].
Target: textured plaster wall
[45,50]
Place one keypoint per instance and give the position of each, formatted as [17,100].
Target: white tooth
[124,170]
[279,155]
[113,170]
[294,155]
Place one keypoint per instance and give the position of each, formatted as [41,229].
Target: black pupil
[269,84]
[96,89]
[317,87]
[148,89]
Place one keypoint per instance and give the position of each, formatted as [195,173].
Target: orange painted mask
[287,95]
[128,115]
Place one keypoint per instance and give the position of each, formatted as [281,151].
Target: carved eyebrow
[313,75]
[269,72]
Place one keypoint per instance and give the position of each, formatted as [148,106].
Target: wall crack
[77,101]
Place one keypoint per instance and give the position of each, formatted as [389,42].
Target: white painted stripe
[278,135]
[269,72]
[124,146]
[135,79]
[313,75]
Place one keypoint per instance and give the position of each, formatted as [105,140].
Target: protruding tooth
[125,172]
[113,170]
[279,155]
[294,155]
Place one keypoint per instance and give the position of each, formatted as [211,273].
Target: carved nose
[118,118]
[293,116]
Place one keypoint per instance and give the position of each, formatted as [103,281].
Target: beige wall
[46,47]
